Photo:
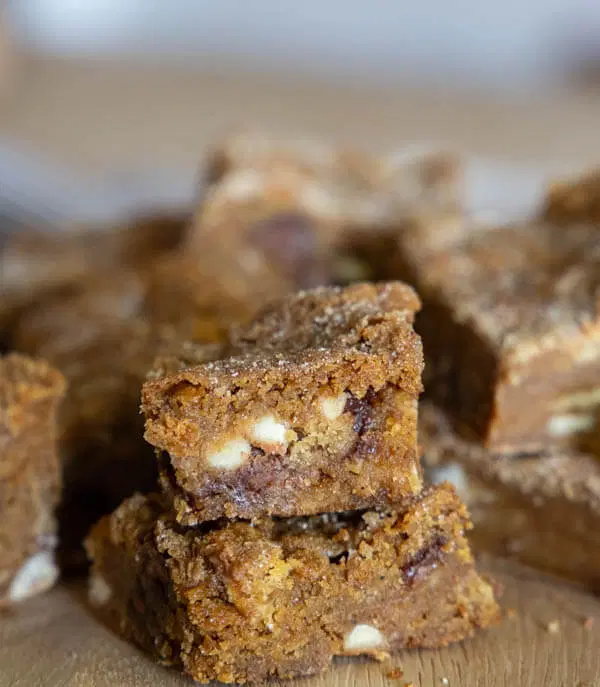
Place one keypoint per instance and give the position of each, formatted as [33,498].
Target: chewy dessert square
[30,478]
[511,328]
[238,602]
[310,408]
[290,210]
[543,510]
[278,207]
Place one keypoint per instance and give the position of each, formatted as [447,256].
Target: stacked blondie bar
[292,524]
[285,520]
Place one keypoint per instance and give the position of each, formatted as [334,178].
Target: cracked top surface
[173,294]
[332,181]
[311,329]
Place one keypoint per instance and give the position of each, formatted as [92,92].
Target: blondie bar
[310,408]
[511,327]
[542,510]
[412,176]
[297,211]
[30,477]
[237,602]
[34,263]
[277,209]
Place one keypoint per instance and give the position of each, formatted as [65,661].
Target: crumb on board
[553,627]
[511,613]
[445,681]
[394,674]
[588,623]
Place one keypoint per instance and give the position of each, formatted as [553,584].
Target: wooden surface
[104,121]
[106,118]
[55,641]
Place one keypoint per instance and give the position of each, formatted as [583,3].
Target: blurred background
[104,102]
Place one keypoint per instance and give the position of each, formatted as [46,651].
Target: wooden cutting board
[550,637]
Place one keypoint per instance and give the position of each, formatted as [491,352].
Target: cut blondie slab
[543,510]
[278,208]
[34,262]
[412,175]
[289,210]
[30,478]
[238,602]
[310,408]
[511,328]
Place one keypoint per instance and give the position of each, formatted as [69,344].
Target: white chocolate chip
[348,269]
[453,473]
[242,184]
[316,199]
[333,406]
[583,400]
[590,349]
[270,434]
[99,591]
[38,573]
[568,424]
[364,639]
[231,456]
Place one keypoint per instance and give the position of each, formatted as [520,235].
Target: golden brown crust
[312,326]
[24,381]
[524,288]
